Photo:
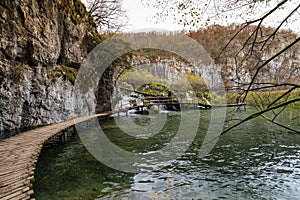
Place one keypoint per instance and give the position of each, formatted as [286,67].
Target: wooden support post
[63,136]
[66,136]
[73,130]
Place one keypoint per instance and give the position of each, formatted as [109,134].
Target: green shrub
[18,72]
[67,73]
[75,10]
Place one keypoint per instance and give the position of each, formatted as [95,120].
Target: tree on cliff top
[108,14]
[252,15]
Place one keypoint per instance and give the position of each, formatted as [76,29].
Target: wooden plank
[19,154]
[8,180]
[14,194]
[15,185]
[13,169]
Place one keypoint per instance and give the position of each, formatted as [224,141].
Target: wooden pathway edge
[19,155]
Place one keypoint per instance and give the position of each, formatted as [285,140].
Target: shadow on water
[255,161]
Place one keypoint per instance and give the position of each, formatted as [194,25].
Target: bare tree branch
[259,113]
[268,61]
[281,96]
[108,14]
[278,124]
[249,53]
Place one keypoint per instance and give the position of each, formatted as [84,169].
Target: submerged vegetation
[258,156]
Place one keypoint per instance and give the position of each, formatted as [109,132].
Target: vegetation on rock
[67,73]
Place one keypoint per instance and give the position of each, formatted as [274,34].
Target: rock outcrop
[42,43]
[45,33]
[248,50]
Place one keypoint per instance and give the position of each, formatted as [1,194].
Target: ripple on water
[248,163]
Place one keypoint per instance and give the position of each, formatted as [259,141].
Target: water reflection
[256,161]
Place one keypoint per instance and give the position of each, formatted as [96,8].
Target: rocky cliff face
[42,33]
[283,69]
[28,99]
[41,45]
[248,50]
[44,42]
[170,68]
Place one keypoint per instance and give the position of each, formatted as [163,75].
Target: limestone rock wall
[43,33]
[38,37]
[171,68]
[30,100]
[283,69]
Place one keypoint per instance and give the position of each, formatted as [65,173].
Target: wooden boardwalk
[19,154]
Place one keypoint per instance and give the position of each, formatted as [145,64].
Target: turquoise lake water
[257,160]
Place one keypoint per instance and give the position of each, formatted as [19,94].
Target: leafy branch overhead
[251,48]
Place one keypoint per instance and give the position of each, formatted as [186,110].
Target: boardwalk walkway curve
[19,154]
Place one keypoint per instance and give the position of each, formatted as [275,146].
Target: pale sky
[141,17]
